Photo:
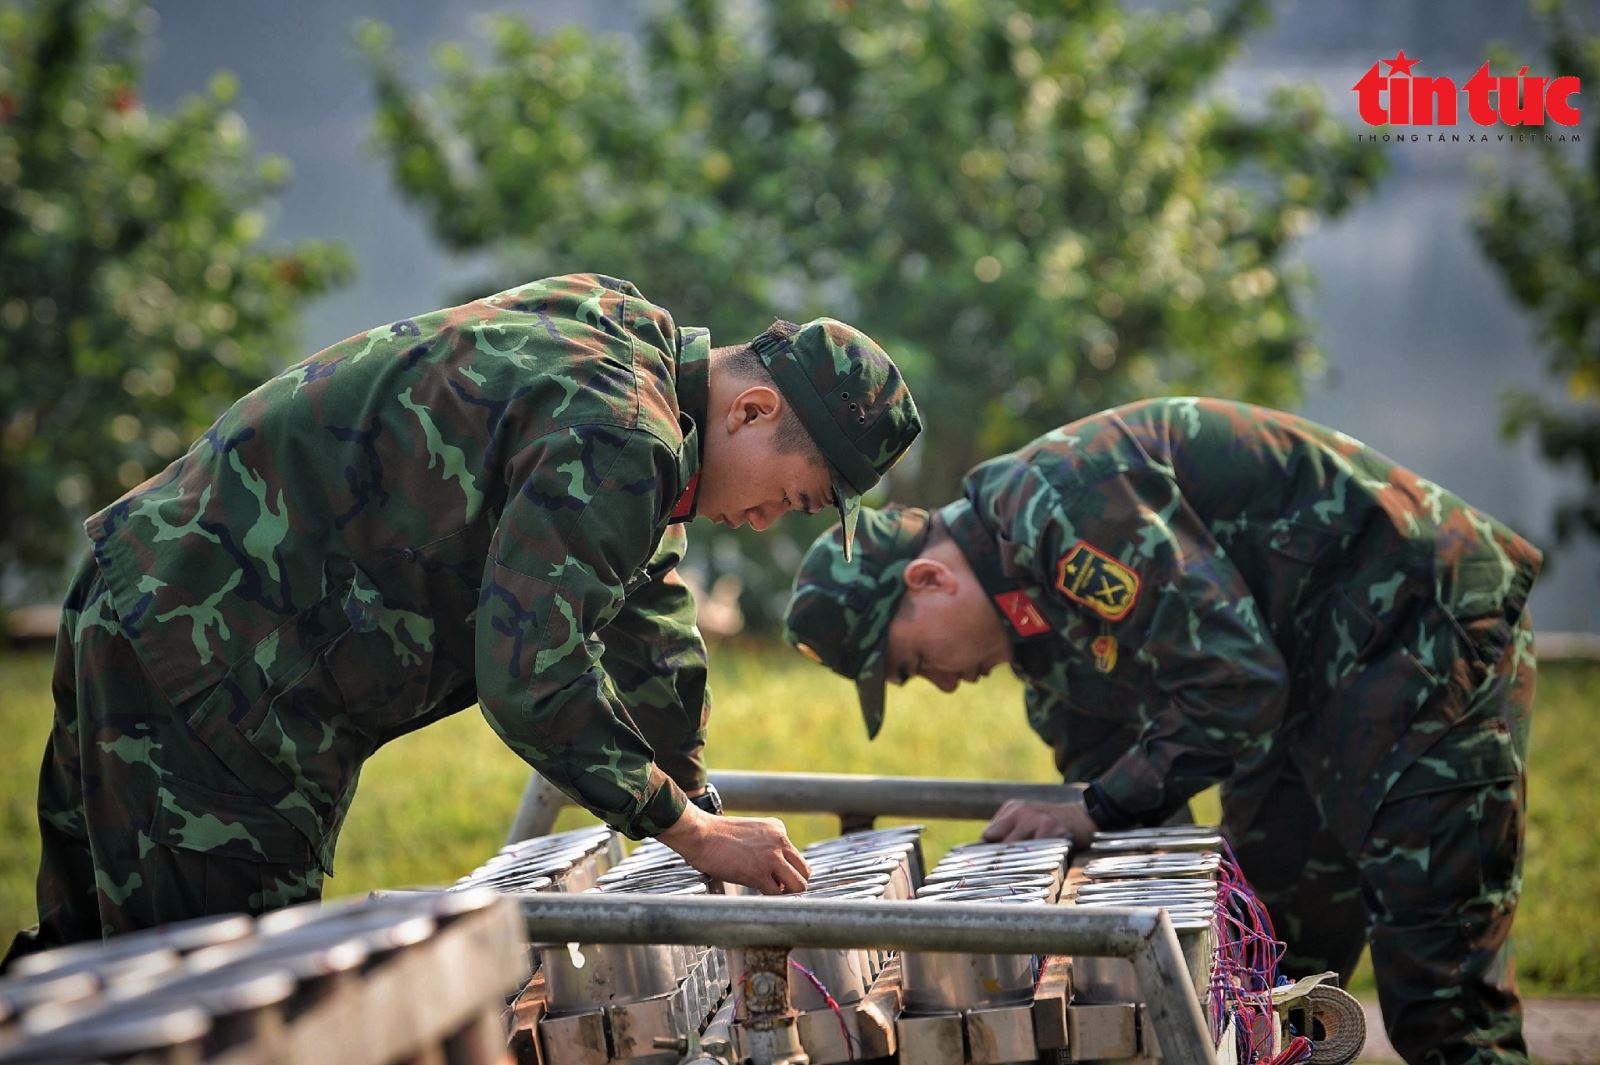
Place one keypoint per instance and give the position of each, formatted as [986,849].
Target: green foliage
[1034,204]
[1544,235]
[1040,209]
[135,301]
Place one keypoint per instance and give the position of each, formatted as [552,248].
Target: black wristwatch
[709,800]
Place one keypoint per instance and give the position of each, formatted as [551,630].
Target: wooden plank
[876,1014]
[255,1052]
[829,1037]
[481,1041]
[332,1029]
[1000,1034]
[1228,1049]
[524,1047]
[411,1002]
[575,1038]
[1098,1032]
[1050,1000]
[527,1010]
[935,1039]
[431,989]
[636,1025]
[432,1054]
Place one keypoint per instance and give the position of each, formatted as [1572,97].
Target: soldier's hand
[1038,820]
[753,851]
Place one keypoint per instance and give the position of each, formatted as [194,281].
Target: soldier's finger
[997,828]
[796,859]
[790,882]
[1019,828]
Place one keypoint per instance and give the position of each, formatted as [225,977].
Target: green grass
[433,805]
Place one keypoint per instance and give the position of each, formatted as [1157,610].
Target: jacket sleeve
[1084,746]
[584,503]
[656,659]
[1186,617]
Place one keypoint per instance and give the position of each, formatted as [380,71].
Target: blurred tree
[1544,235]
[135,301]
[1039,208]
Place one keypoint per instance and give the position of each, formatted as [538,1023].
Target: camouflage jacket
[479,504]
[1195,585]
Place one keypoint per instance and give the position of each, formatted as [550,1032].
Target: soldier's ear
[756,404]
[928,575]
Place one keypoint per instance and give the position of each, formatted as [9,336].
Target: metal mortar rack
[762,933]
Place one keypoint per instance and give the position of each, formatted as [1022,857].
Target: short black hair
[743,362]
[937,533]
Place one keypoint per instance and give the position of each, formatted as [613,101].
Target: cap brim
[871,683]
[849,505]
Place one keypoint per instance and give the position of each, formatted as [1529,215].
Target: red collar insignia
[1020,611]
[685,508]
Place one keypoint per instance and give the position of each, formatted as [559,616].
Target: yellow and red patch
[1020,611]
[1089,576]
[1105,653]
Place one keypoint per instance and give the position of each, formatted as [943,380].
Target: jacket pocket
[282,672]
[193,817]
[1386,695]
[1471,755]
[306,730]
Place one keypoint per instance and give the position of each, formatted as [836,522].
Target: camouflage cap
[839,614]
[852,400]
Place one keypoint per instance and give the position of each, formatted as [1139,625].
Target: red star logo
[1400,64]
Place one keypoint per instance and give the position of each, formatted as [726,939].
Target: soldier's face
[746,478]
[944,630]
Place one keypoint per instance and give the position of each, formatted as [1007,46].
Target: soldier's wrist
[708,799]
[1103,809]
[661,811]
[690,834]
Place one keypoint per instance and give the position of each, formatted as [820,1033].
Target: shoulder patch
[1020,611]
[1089,576]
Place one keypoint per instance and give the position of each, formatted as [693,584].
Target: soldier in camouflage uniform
[1200,592]
[484,505]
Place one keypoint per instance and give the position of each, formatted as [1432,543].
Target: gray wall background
[1419,333]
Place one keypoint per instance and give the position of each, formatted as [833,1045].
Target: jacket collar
[694,396]
[1024,621]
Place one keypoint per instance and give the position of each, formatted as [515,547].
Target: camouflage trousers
[140,823]
[1434,887]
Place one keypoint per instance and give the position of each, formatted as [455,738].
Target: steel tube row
[842,793]
[1145,936]
[846,795]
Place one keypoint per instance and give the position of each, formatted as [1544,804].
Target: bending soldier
[1200,592]
[481,505]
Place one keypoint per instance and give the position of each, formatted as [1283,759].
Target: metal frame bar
[1146,937]
[852,798]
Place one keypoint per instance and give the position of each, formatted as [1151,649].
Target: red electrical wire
[1295,1051]
[1248,953]
[827,996]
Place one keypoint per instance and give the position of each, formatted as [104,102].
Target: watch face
[709,800]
